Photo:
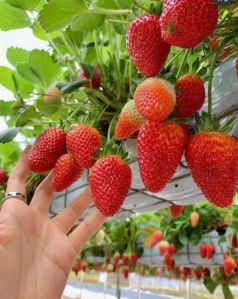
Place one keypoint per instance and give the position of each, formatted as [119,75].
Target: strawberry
[176,210]
[125,258]
[95,80]
[190,95]
[163,247]
[229,266]
[3,177]
[194,219]
[84,266]
[134,258]
[171,249]
[234,242]
[203,250]
[160,148]
[49,146]
[155,99]
[187,23]
[168,261]
[130,121]
[210,250]
[66,172]
[237,66]
[110,181]
[206,272]
[198,273]
[145,46]
[156,237]
[125,271]
[213,161]
[185,271]
[83,142]
[109,268]
[52,95]
[213,43]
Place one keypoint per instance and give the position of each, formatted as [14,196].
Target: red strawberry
[237,66]
[176,210]
[125,258]
[160,148]
[110,181]
[130,121]
[210,250]
[155,99]
[3,177]
[198,273]
[185,271]
[125,271]
[206,272]
[95,80]
[168,261]
[82,142]
[145,46]
[187,23]
[134,258]
[116,257]
[213,161]
[171,249]
[190,95]
[229,265]
[66,172]
[194,219]
[52,95]
[213,43]
[203,251]
[163,247]
[156,237]
[49,146]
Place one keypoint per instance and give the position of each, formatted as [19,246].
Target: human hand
[36,254]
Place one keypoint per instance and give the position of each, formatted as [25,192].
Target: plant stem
[110,128]
[104,11]
[118,21]
[141,7]
[183,63]
[173,58]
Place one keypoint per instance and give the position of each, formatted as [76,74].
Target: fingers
[66,219]
[80,236]
[43,195]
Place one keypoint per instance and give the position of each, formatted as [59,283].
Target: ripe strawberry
[134,258]
[237,66]
[206,272]
[190,95]
[52,95]
[125,271]
[203,251]
[198,273]
[130,121]
[168,261]
[185,271]
[83,142]
[163,248]
[187,23]
[176,210]
[229,265]
[3,177]
[125,258]
[171,249]
[116,257]
[95,80]
[213,161]
[210,250]
[49,146]
[66,172]
[194,219]
[160,148]
[110,180]
[145,46]
[155,99]
[213,43]
[156,237]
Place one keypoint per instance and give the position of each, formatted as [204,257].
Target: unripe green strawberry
[82,142]
[49,146]
[187,23]
[213,161]
[95,80]
[130,121]
[3,177]
[66,172]
[160,148]
[100,235]
[190,95]
[52,94]
[145,46]
[110,180]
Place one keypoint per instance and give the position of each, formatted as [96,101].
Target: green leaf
[210,284]
[5,108]
[13,17]
[227,292]
[75,37]
[39,32]
[110,4]
[6,78]
[40,69]
[8,134]
[17,55]
[48,108]
[125,4]
[28,115]
[87,21]
[57,14]
[24,4]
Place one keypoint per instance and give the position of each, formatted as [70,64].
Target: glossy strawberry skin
[110,181]
[66,172]
[130,121]
[210,250]
[49,146]
[160,148]
[95,80]
[203,250]
[213,161]
[186,23]
[190,95]
[229,265]
[3,177]
[83,142]
[176,210]
[145,46]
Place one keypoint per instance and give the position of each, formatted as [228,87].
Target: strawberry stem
[109,12]
[183,63]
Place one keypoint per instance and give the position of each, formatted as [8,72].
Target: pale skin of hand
[36,254]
